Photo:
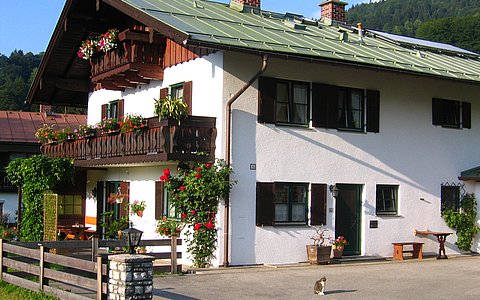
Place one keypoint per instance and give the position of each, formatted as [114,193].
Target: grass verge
[13,292]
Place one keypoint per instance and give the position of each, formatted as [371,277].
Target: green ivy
[195,192]
[464,222]
[35,176]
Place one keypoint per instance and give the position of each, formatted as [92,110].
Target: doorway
[348,216]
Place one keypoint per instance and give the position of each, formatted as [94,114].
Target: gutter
[227,151]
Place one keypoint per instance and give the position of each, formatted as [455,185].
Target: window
[182,91]
[284,102]
[450,197]
[176,91]
[451,113]
[290,203]
[70,205]
[350,109]
[113,109]
[387,199]
[284,203]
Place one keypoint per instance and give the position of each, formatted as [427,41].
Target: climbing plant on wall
[35,176]
[195,193]
[464,222]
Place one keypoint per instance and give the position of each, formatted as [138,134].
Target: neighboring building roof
[215,24]
[20,126]
[472,174]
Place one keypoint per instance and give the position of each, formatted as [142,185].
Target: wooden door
[347,216]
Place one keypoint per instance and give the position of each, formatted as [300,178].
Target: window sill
[290,224]
[306,126]
[393,216]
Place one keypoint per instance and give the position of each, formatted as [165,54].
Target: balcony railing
[165,140]
[137,59]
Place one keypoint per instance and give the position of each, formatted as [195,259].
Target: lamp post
[133,237]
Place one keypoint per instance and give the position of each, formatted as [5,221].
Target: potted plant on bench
[320,251]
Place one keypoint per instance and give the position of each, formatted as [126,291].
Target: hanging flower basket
[117,197]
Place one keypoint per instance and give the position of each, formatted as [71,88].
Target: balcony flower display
[45,134]
[109,125]
[137,207]
[171,108]
[104,42]
[66,134]
[132,123]
[85,131]
[169,227]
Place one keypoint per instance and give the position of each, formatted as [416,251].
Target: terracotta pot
[140,213]
[337,251]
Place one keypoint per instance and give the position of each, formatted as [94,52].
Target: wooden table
[72,232]
[441,238]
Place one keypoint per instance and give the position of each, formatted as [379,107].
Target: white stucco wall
[409,151]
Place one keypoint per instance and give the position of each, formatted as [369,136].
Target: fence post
[42,270]
[99,278]
[1,259]
[94,248]
[173,254]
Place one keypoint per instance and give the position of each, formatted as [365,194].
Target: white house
[299,108]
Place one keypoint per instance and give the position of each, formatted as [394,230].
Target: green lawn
[13,292]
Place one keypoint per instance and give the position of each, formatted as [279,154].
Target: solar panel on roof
[422,43]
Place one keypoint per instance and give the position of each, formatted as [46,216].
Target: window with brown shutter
[264,205]
[163,93]
[373,111]
[159,201]
[266,104]
[451,113]
[125,190]
[324,106]
[104,111]
[187,95]
[120,109]
[318,209]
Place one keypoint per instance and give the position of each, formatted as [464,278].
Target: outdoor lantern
[334,190]
[133,237]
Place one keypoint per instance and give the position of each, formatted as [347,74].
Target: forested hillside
[16,74]
[448,21]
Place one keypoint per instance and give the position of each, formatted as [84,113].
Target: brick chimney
[242,5]
[333,10]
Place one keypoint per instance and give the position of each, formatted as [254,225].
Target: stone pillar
[130,277]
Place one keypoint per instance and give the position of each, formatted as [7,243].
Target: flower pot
[319,254]
[337,251]
[119,199]
[140,213]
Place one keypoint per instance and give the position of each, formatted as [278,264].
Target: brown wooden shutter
[466,115]
[163,93]
[318,209]
[437,112]
[159,201]
[187,95]
[324,106]
[120,109]
[100,202]
[373,111]
[265,208]
[266,105]
[104,111]
[125,190]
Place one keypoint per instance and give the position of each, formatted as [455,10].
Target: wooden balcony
[193,140]
[137,59]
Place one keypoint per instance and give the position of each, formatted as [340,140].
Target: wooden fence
[56,274]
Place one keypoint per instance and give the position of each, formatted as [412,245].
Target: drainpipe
[227,152]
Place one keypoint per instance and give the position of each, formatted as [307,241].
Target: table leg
[441,240]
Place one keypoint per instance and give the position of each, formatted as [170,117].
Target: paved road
[454,278]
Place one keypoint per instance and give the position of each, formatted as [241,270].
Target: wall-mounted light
[334,190]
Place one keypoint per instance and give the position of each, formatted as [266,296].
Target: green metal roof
[215,24]
[472,174]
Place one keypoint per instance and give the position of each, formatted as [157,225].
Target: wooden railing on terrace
[165,140]
[137,59]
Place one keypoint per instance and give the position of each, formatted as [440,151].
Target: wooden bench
[398,250]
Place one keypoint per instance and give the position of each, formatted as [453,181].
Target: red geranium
[198,175]
[197,226]
[182,188]
[208,166]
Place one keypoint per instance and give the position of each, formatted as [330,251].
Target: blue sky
[28,24]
